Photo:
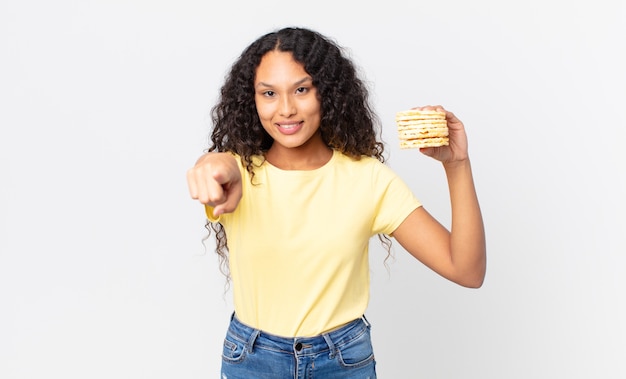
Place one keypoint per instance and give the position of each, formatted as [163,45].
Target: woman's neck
[310,156]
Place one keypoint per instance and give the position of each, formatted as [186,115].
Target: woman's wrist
[456,164]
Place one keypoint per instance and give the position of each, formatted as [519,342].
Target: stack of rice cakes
[425,128]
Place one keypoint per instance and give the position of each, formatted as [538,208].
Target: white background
[104,105]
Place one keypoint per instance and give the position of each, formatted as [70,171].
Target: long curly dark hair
[348,123]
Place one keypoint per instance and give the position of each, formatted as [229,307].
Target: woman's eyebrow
[299,82]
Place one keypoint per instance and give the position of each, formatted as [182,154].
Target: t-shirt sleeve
[208,210]
[394,201]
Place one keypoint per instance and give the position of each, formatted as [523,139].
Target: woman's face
[286,101]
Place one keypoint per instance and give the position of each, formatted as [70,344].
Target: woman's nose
[287,106]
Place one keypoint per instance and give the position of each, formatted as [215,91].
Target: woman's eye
[302,90]
[268,93]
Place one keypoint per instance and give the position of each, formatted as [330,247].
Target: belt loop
[331,345]
[367,323]
[252,339]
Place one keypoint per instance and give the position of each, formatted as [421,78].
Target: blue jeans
[344,353]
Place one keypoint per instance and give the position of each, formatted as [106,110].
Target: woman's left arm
[459,254]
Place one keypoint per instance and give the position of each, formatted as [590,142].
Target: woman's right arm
[215,180]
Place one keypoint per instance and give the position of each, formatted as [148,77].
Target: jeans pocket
[234,351]
[358,352]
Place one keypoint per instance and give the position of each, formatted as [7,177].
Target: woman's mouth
[289,128]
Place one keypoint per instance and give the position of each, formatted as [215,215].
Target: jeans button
[298,346]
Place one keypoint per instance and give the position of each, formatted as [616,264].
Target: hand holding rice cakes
[422,128]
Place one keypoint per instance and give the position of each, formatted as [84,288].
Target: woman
[295,186]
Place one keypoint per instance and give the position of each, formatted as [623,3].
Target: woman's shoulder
[255,160]
[365,167]
[364,161]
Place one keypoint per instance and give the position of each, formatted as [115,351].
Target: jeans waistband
[331,341]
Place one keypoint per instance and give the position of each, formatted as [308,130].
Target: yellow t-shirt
[298,242]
